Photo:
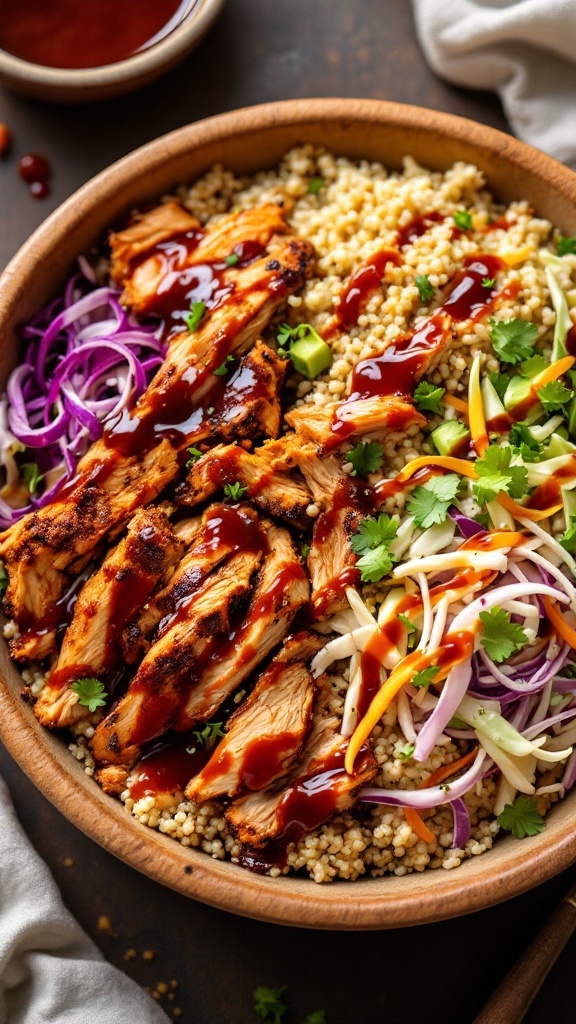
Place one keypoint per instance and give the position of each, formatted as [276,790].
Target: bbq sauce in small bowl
[73,34]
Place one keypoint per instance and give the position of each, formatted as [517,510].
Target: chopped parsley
[426,290]
[500,382]
[513,340]
[463,220]
[411,628]
[429,503]
[371,542]
[211,410]
[366,457]
[425,676]
[566,246]
[304,551]
[522,818]
[496,474]
[501,637]
[231,260]
[222,370]
[194,454]
[568,540]
[91,692]
[488,282]
[428,397]
[32,476]
[314,185]
[554,396]
[3,580]
[197,310]
[206,737]
[269,1003]
[407,751]
[235,491]
[524,443]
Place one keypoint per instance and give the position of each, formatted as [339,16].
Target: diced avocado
[310,356]
[556,446]
[519,396]
[493,407]
[450,438]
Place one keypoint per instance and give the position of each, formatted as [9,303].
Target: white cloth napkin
[525,49]
[50,971]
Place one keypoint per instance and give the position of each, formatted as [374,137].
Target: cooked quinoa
[359,210]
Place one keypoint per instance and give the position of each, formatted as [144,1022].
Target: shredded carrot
[419,827]
[461,466]
[477,417]
[533,514]
[552,372]
[457,403]
[494,540]
[402,674]
[448,769]
[559,622]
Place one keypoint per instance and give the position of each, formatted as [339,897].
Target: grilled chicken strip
[111,596]
[276,492]
[329,426]
[138,457]
[267,732]
[222,531]
[172,665]
[147,278]
[147,231]
[282,588]
[317,788]
[249,403]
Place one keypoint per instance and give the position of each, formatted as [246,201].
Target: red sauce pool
[82,34]
[168,768]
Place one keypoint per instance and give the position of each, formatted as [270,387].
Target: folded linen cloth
[525,49]
[50,971]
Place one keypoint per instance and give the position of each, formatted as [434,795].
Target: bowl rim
[432,895]
[165,51]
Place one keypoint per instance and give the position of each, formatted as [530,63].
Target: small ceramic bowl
[247,141]
[78,85]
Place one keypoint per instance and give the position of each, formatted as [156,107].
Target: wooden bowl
[247,140]
[79,85]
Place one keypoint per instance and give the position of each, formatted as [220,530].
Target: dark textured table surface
[263,50]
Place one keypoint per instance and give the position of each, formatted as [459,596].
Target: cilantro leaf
[566,246]
[375,564]
[530,367]
[568,540]
[4,580]
[316,1017]
[411,628]
[222,370]
[425,676]
[232,259]
[488,282]
[554,396]
[366,457]
[314,185]
[407,751]
[304,551]
[197,310]
[426,290]
[429,503]
[428,397]
[32,476]
[194,454]
[512,340]
[496,474]
[372,533]
[90,693]
[269,1003]
[206,737]
[522,818]
[524,443]
[288,335]
[500,382]
[501,636]
[463,220]
[235,491]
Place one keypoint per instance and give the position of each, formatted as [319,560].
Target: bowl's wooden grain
[248,140]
